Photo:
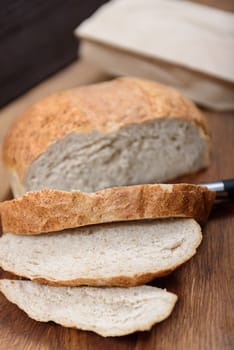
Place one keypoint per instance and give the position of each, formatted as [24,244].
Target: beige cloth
[179,43]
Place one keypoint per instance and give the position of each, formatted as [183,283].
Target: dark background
[36,40]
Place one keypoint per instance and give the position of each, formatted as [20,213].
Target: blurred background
[37,39]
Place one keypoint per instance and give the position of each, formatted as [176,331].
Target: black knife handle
[220,187]
[229,187]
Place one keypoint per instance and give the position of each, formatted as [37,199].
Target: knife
[222,187]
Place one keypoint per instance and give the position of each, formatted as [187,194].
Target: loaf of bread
[106,311]
[123,132]
[52,210]
[118,254]
[74,229]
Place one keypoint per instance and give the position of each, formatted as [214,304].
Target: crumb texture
[112,254]
[153,152]
[106,311]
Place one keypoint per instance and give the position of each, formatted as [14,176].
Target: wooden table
[203,317]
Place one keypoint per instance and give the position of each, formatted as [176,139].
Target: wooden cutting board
[203,317]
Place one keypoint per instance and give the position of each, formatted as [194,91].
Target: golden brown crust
[103,107]
[53,210]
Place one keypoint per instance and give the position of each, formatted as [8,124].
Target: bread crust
[53,210]
[103,107]
[118,281]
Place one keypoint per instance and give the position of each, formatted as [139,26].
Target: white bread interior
[106,311]
[118,254]
[146,153]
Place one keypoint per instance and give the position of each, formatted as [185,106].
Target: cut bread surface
[106,311]
[127,131]
[120,254]
[145,153]
[52,210]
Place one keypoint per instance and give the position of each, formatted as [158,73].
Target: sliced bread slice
[120,254]
[106,311]
[52,210]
